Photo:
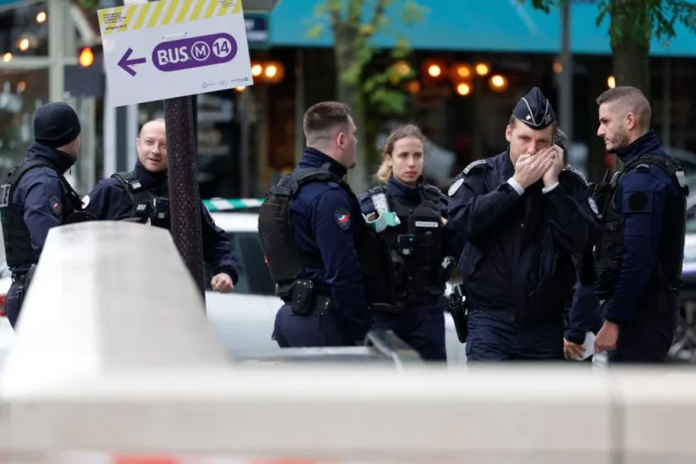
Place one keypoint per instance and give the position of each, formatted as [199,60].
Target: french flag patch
[342,218]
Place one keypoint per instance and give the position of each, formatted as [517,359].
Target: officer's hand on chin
[222,283]
[530,168]
[607,337]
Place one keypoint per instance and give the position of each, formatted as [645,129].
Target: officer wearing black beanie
[37,197]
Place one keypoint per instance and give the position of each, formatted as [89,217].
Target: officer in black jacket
[638,262]
[141,196]
[333,272]
[37,197]
[522,215]
[423,248]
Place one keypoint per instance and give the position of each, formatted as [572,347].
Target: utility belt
[303,300]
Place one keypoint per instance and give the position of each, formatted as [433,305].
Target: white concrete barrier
[114,355]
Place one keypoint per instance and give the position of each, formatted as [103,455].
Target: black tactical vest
[608,255]
[287,262]
[416,245]
[146,205]
[18,249]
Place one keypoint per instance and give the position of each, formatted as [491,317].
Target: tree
[352,31]
[633,23]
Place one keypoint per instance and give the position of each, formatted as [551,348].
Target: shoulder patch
[453,189]
[639,202]
[55,204]
[472,165]
[342,217]
[569,168]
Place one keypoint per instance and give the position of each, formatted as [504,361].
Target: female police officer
[412,218]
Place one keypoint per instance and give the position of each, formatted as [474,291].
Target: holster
[303,300]
[22,282]
[458,309]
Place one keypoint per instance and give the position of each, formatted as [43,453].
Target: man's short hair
[319,119]
[629,100]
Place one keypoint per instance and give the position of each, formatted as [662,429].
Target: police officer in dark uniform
[331,268]
[523,215]
[638,262]
[37,197]
[422,248]
[141,196]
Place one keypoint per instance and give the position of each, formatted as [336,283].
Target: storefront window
[21,93]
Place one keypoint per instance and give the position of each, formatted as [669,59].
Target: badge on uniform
[453,189]
[55,204]
[342,218]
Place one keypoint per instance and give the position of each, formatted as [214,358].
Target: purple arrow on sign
[126,64]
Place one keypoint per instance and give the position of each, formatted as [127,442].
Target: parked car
[244,319]
[684,347]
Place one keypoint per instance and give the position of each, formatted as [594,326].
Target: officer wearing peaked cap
[523,215]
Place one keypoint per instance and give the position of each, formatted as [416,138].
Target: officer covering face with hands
[522,215]
[141,196]
[37,197]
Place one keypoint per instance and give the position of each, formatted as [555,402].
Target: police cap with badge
[534,110]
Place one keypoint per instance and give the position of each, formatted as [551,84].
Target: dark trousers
[420,327]
[318,328]
[646,339]
[493,337]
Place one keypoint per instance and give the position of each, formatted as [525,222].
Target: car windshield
[254,275]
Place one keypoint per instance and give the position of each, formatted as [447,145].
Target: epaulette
[569,168]
[473,164]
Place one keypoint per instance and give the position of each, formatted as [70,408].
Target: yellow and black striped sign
[163,13]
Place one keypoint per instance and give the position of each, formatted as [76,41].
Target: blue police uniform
[325,220]
[641,296]
[516,265]
[37,197]
[110,200]
[421,320]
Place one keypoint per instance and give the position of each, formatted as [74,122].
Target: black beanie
[56,124]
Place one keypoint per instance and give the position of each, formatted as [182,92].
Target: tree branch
[379,13]
[335,19]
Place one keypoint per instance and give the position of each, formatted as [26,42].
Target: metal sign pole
[184,197]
